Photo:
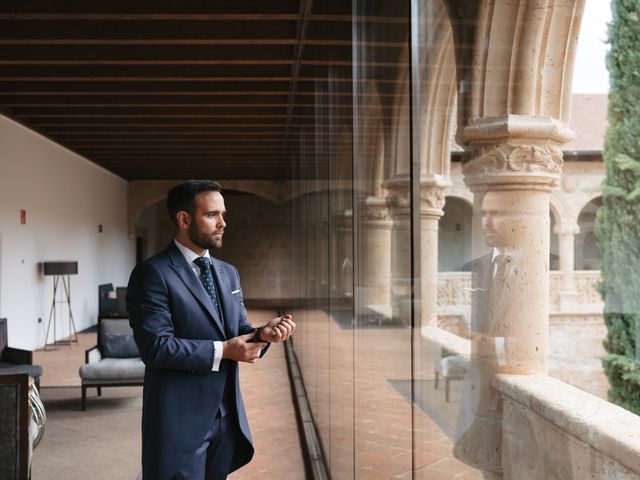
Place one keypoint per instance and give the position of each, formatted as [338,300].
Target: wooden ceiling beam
[186,71]
[197,41]
[159,119]
[197,17]
[226,95]
[306,7]
[333,62]
[129,125]
[75,133]
[113,105]
[174,144]
[213,88]
[125,9]
[163,111]
[149,17]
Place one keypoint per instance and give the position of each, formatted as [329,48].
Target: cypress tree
[618,220]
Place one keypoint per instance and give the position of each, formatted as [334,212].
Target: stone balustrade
[570,434]
[454,293]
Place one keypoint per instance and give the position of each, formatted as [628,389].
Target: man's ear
[183,218]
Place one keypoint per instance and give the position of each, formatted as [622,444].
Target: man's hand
[277,329]
[240,350]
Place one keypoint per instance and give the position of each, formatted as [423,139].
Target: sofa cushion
[121,369]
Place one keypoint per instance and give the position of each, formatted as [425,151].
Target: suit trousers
[212,461]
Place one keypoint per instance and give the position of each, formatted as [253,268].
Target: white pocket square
[235,291]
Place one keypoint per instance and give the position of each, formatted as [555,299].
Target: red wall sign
[23,217]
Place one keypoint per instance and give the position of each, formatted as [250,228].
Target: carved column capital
[530,166]
[566,230]
[398,200]
[376,210]
[432,200]
[431,196]
[514,152]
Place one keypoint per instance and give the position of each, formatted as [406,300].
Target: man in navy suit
[190,324]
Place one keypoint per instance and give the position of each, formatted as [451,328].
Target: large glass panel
[322,227]
[413,305]
[440,340]
[382,219]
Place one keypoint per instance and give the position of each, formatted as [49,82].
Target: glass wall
[369,375]
[397,358]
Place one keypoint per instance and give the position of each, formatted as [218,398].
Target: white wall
[65,197]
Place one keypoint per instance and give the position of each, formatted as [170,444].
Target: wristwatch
[256,335]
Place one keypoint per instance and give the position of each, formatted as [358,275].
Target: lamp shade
[61,268]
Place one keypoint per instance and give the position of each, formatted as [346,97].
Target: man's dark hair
[182,197]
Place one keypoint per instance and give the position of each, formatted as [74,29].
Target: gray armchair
[114,361]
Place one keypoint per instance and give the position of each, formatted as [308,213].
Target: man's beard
[203,240]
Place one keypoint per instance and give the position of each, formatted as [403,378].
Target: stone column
[400,210]
[344,253]
[431,205]
[515,162]
[567,236]
[377,251]
[518,160]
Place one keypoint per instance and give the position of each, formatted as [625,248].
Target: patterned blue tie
[204,264]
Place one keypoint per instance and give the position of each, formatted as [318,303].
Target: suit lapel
[226,301]
[193,283]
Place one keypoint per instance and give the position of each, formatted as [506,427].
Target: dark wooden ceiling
[186,88]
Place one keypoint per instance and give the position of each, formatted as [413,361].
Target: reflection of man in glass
[478,436]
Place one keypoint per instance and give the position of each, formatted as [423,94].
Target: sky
[590,74]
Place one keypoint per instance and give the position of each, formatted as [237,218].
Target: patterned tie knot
[202,262]
[206,276]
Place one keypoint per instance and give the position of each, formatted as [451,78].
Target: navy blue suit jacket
[174,324]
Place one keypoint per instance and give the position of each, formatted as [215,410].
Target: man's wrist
[218,355]
[257,334]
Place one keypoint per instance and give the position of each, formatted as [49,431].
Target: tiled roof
[589,121]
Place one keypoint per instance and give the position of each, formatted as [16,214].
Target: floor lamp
[61,271]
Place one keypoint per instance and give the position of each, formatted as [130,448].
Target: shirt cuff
[217,355]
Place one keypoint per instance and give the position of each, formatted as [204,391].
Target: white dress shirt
[190,256]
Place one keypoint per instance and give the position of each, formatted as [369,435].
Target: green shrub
[618,221]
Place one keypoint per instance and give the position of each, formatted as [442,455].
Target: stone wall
[255,241]
[576,352]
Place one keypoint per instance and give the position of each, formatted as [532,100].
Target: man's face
[207,220]
[495,221]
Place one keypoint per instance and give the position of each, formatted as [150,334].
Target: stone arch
[593,196]
[587,252]
[438,101]
[462,194]
[437,97]
[153,227]
[145,193]
[555,219]
[534,77]
[555,211]
[455,232]
[398,155]
[369,142]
